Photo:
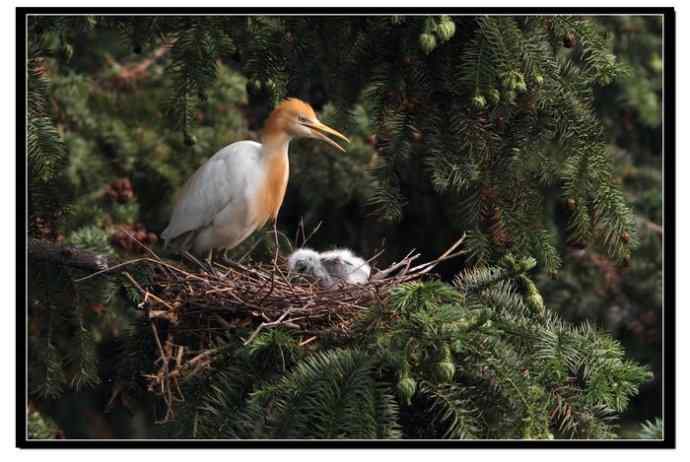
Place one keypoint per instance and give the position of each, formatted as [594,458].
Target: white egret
[243,185]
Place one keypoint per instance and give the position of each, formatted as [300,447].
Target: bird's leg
[275,236]
[275,258]
[225,255]
[187,254]
[209,259]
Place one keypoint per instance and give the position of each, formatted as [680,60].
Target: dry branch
[68,256]
[127,76]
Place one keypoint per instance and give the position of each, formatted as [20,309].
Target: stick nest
[188,308]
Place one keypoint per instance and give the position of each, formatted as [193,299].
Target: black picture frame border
[669,240]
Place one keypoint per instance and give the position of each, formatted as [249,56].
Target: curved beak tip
[320,129]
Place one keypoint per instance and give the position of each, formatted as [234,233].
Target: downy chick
[307,262]
[343,265]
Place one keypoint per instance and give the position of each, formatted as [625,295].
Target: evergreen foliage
[628,300]
[45,152]
[485,125]
[652,430]
[41,428]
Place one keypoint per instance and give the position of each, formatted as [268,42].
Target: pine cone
[500,123]
[569,40]
[119,190]
[478,102]
[126,195]
[110,193]
[409,105]
[445,371]
[151,238]
[446,30]
[126,238]
[407,387]
[97,308]
[427,42]
[494,96]
[189,140]
[577,244]
[119,240]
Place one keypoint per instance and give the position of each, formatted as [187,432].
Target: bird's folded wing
[224,178]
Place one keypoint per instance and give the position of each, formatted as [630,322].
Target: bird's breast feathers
[271,190]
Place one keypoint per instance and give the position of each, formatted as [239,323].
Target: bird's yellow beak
[318,130]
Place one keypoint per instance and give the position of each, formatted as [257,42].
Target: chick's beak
[319,130]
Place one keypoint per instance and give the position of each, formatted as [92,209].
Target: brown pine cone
[569,40]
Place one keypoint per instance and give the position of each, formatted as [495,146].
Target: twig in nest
[139,243]
[300,230]
[426,267]
[266,324]
[148,294]
[164,379]
[307,341]
[404,262]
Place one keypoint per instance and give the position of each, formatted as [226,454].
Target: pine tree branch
[68,256]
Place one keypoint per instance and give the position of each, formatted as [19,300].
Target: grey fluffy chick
[343,265]
[307,262]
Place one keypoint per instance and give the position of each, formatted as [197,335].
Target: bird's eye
[302,119]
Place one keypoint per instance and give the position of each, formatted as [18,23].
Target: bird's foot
[227,261]
[209,261]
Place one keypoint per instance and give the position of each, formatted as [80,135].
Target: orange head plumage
[297,119]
